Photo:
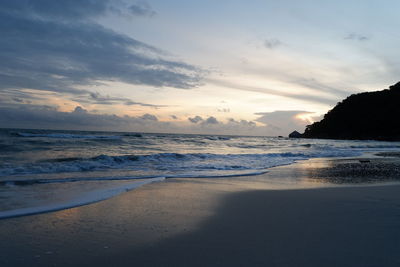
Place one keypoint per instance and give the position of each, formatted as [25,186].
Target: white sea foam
[33,160]
[83,199]
[170,162]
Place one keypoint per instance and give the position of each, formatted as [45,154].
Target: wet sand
[224,222]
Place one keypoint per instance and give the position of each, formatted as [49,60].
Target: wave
[241,145]
[164,163]
[306,145]
[215,138]
[11,148]
[376,146]
[29,181]
[133,134]
[68,136]
[87,198]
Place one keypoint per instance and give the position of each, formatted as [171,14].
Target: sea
[48,170]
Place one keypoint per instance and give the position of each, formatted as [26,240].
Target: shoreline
[218,222]
[261,178]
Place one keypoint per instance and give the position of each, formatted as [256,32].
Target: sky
[209,67]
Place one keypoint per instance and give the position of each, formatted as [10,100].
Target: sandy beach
[222,222]
[199,133]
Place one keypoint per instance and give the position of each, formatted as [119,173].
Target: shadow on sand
[354,226]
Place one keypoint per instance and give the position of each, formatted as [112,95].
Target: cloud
[232,126]
[142,8]
[305,97]
[97,98]
[314,84]
[71,9]
[19,100]
[241,122]
[133,103]
[80,110]
[272,43]
[211,120]
[195,119]
[77,9]
[285,121]
[56,46]
[8,96]
[21,96]
[224,110]
[149,117]
[356,37]
[34,116]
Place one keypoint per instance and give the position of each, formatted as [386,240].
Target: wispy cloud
[315,98]
[314,84]
[97,98]
[284,121]
[356,37]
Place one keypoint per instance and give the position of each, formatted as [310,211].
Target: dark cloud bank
[28,116]
[57,46]
[31,116]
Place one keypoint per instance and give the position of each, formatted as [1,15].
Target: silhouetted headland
[363,116]
[295,134]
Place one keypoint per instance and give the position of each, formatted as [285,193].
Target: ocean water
[43,170]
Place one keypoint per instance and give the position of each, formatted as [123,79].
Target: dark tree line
[363,116]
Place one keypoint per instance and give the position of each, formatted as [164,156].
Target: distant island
[363,116]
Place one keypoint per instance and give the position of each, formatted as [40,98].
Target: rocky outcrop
[295,134]
[363,116]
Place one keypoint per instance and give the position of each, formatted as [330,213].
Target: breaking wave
[167,163]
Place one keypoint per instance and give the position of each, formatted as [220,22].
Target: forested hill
[363,116]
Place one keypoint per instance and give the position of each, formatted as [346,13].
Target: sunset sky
[215,67]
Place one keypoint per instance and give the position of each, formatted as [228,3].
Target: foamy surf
[26,182]
[88,198]
[165,163]
[52,170]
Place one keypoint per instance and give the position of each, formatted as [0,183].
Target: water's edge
[87,199]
